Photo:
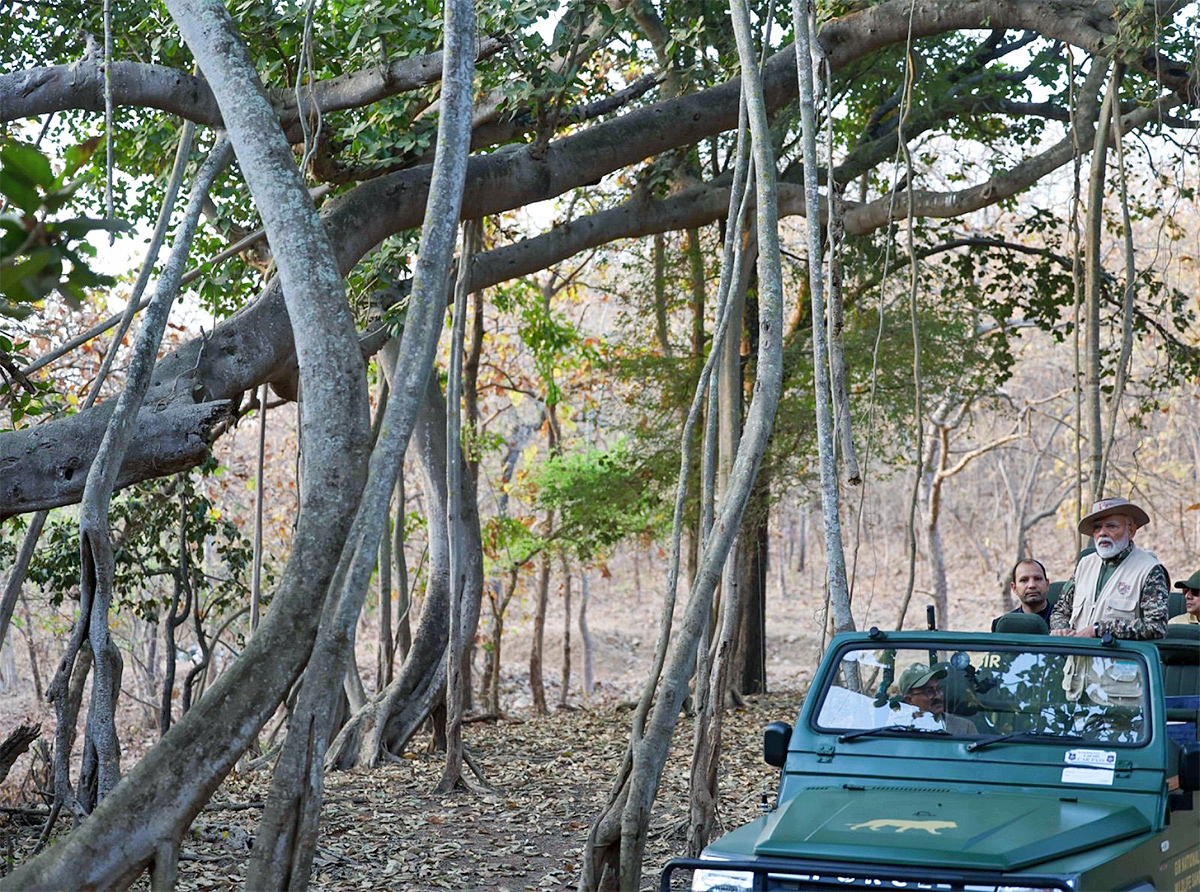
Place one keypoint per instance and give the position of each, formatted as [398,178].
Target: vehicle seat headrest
[1186,631]
[1021,624]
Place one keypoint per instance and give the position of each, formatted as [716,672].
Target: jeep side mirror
[1189,766]
[775,743]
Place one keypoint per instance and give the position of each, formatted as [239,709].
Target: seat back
[1021,624]
[1180,632]
[1180,653]
[1175,603]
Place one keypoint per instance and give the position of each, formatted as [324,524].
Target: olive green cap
[1192,582]
[916,675]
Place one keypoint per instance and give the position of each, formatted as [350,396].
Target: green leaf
[21,193]
[76,156]
[79,227]
[22,158]
[31,268]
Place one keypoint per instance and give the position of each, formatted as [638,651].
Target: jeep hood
[953,829]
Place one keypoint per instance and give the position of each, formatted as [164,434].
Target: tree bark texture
[286,839]
[388,721]
[15,744]
[536,687]
[660,294]
[756,533]
[617,862]
[176,616]
[803,20]
[1092,274]
[16,573]
[844,434]
[565,687]
[456,686]
[259,490]
[384,642]
[168,787]
[403,638]
[101,747]
[585,636]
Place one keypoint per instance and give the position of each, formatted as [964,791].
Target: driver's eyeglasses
[926,690]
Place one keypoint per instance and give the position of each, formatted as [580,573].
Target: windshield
[1029,694]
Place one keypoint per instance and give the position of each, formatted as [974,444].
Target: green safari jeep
[967,761]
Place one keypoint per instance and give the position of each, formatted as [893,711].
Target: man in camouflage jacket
[1121,589]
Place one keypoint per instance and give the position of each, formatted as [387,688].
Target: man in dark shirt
[1029,586]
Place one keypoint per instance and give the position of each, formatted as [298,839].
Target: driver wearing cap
[920,686]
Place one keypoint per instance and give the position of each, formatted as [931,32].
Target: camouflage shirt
[1152,607]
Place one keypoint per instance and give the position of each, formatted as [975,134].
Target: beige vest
[1106,680]
[1122,593]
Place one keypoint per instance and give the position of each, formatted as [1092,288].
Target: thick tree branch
[1087,24]
[47,465]
[39,91]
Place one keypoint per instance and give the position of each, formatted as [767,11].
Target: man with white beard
[1120,590]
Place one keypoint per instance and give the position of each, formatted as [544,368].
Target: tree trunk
[839,594]
[729,389]
[616,841]
[31,645]
[8,667]
[499,607]
[172,782]
[458,647]
[352,684]
[15,744]
[176,617]
[393,716]
[288,830]
[259,489]
[660,295]
[536,687]
[403,638]
[491,697]
[722,433]
[16,574]
[585,636]
[1093,273]
[384,643]
[696,271]
[844,435]
[471,439]
[934,462]
[565,688]
[387,360]
[756,539]
[95,540]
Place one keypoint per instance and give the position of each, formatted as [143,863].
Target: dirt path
[383,829]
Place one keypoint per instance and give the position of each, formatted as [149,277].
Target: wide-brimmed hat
[916,675]
[1192,582]
[1109,507]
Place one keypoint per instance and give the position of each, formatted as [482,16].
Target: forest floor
[385,828]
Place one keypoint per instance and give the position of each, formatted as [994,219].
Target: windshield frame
[975,644]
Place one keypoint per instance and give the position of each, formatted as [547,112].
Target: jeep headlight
[722,880]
